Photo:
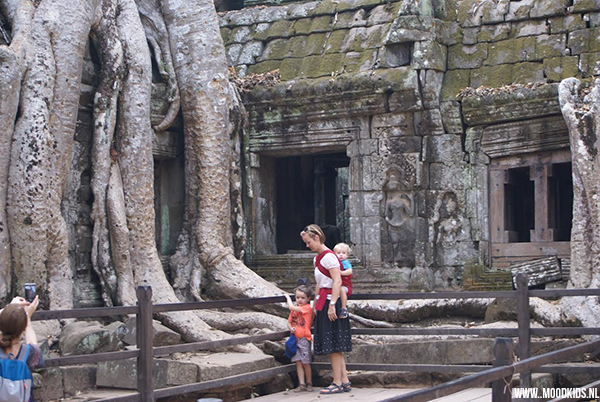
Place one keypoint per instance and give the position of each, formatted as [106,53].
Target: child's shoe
[343,313]
[300,388]
[309,387]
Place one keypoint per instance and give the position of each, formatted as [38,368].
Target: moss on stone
[321,24]
[315,43]
[302,26]
[396,79]
[264,67]
[310,67]
[330,64]
[590,64]
[279,29]
[566,24]
[454,81]
[298,46]
[290,69]
[277,49]
[492,76]
[460,56]
[335,41]
[355,61]
[511,51]
[558,68]
[494,33]
[528,72]
[325,7]
[375,36]
[355,5]
[225,32]
[584,5]
[550,46]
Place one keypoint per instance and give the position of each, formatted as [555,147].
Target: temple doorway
[311,188]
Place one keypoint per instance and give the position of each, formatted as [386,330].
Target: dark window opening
[311,189]
[228,5]
[561,201]
[519,205]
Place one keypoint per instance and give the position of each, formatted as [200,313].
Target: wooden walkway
[373,395]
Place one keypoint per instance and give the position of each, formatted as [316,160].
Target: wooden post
[504,355]
[523,318]
[145,361]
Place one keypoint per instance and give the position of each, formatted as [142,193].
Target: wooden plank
[524,322]
[95,358]
[145,335]
[497,210]
[561,249]
[83,313]
[489,332]
[423,368]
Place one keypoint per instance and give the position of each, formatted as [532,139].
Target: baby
[342,250]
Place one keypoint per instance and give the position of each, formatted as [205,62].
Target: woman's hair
[314,230]
[343,246]
[13,321]
[304,289]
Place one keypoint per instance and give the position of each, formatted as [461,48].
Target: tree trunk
[581,110]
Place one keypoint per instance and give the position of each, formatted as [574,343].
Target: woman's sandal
[343,313]
[332,389]
[347,386]
[300,388]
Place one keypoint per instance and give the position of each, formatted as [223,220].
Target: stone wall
[379,80]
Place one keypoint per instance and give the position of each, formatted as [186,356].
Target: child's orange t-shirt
[302,321]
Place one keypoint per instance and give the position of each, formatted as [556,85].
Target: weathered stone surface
[417,310]
[163,336]
[351,20]
[431,84]
[559,68]
[457,351]
[448,33]
[50,385]
[454,81]
[501,310]
[451,117]
[511,51]
[394,55]
[123,373]
[589,64]
[250,52]
[219,365]
[82,337]
[429,55]
[77,379]
[461,56]
[410,29]
[568,23]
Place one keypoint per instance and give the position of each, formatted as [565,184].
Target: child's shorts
[345,289]
[303,353]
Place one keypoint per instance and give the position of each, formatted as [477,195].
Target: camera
[29,292]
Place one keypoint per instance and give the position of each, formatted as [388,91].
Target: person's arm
[291,305]
[30,337]
[19,301]
[335,292]
[346,272]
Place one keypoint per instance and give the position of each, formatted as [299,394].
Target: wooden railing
[145,353]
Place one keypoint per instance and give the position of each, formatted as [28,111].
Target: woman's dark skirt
[331,336]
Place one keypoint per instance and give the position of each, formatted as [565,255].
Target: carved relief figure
[447,230]
[399,218]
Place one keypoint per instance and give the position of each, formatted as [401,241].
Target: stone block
[372,203]
[431,87]
[525,73]
[584,5]
[454,81]
[335,41]
[241,34]
[551,46]
[359,61]
[302,26]
[443,177]
[276,49]
[250,52]
[300,10]
[356,235]
[351,19]
[549,8]
[356,4]
[511,51]
[269,14]
[430,123]
[394,55]
[589,64]
[455,351]
[163,336]
[83,337]
[486,12]
[384,13]
[278,29]
[410,28]
[584,41]
[220,365]
[494,33]
[451,117]
[530,28]
[470,35]
[448,33]
[290,68]
[233,52]
[519,10]
[492,76]
[592,18]
[392,124]
[123,373]
[568,23]
[51,385]
[446,148]
[78,378]
[461,56]
[395,145]
[265,67]
[321,24]
[429,55]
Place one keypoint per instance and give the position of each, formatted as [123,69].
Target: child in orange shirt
[299,323]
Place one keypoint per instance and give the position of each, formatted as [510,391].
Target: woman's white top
[329,261]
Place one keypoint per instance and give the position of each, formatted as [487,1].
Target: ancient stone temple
[376,131]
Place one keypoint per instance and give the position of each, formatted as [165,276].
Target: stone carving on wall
[448,230]
[400,222]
